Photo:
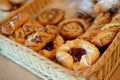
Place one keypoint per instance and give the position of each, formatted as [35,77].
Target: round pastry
[105,37]
[49,50]
[116,18]
[77,54]
[51,16]
[71,28]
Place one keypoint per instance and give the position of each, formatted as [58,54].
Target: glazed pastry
[31,26]
[51,16]
[5,5]
[17,1]
[18,36]
[105,5]
[49,50]
[77,54]
[39,39]
[71,28]
[105,37]
[9,27]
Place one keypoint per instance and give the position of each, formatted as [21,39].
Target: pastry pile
[75,42]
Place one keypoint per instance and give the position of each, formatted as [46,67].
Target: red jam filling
[77,53]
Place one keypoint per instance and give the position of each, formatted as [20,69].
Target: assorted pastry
[8,6]
[74,43]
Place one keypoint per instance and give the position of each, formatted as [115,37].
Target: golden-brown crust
[51,16]
[65,59]
[71,28]
[40,38]
[105,37]
[31,26]
[9,27]
[17,1]
[54,46]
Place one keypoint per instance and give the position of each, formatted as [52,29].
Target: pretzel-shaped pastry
[71,28]
[12,25]
[51,16]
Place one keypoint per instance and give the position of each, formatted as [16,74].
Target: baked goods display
[9,6]
[74,43]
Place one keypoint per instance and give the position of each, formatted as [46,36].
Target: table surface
[11,71]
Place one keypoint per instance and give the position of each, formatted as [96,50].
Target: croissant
[5,5]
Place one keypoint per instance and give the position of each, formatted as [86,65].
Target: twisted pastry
[105,37]
[49,50]
[51,16]
[39,39]
[77,54]
[12,25]
[71,28]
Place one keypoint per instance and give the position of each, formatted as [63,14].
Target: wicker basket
[49,70]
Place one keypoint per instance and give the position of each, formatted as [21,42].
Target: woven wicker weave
[47,69]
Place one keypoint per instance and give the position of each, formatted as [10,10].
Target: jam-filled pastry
[18,36]
[31,26]
[17,1]
[77,54]
[9,27]
[51,16]
[71,28]
[49,50]
[5,5]
[105,37]
[39,39]
[106,5]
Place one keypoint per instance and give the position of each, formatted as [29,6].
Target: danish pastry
[71,28]
[39,39]
[105,37]
[12,25]
[77,54]
[49,50]
[51,16]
